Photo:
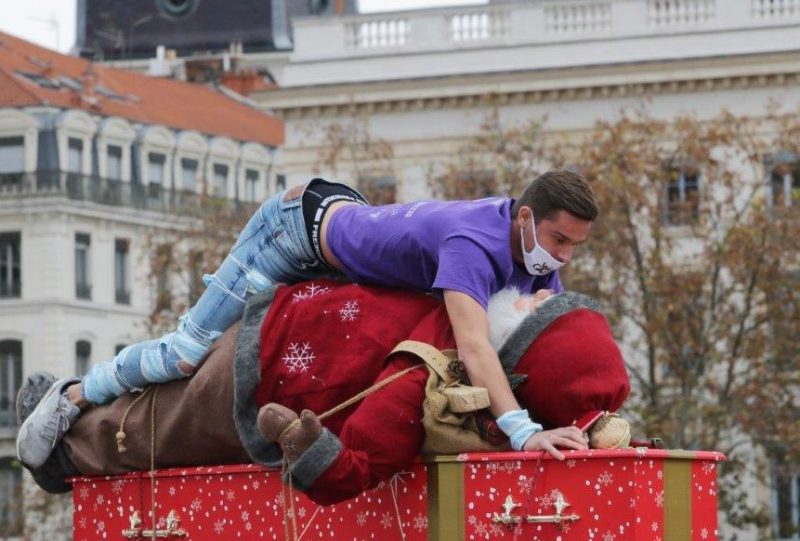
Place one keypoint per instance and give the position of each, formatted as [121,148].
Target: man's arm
[471,330]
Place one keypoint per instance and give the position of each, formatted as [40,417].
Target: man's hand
[569,437]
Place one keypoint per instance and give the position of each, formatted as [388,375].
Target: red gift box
[603,495]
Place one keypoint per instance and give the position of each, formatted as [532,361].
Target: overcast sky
[51,23]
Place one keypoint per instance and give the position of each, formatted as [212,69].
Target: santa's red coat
[323,342]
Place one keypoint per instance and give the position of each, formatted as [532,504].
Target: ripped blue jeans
[273,247]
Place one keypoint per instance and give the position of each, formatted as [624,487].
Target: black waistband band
[317,199]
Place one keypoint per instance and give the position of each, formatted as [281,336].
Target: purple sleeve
[465,267]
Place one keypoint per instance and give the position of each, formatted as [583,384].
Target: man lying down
[310,347]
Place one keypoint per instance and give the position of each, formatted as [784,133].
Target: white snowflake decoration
[608,536]
[386,520]
[311,290]
[218,526]
[299,357]
[349,311]
[605,478]
[361,518]
[420,522]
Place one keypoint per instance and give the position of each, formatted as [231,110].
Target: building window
[280,183]
[83,288]
[785,501]
[10,498]
[12,155]
[10,268]
[682,198]
[196,284]
[220,187]
[378,190]
[10,380]
[83,356]
[114,162]
[74,155]
[122,287]
[118,348]
[12,162]
[189,174]
[785,185]
[162,268]
[250,183]
[156,165]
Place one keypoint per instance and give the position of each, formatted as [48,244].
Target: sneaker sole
[23,428]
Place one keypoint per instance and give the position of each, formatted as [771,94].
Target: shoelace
[58,423]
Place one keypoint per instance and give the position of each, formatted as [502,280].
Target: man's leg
[272,247]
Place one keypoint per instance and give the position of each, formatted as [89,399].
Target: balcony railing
[83,291]
[123,296]
[98,190]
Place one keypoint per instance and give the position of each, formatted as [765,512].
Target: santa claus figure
[302,351]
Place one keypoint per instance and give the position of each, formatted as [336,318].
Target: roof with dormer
[31,75]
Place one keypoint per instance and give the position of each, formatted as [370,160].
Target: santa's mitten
[300,435]
[294,435]
[273,419]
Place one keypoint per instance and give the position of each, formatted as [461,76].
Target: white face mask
[538,261]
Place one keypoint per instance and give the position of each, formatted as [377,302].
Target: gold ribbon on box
[678,495]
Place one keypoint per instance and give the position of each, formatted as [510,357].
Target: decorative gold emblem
[559,518]
[136,531]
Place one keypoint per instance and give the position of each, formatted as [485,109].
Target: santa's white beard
[504,317]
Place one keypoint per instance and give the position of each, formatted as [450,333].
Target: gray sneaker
[46,425]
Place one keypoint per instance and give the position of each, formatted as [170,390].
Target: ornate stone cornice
[468,99]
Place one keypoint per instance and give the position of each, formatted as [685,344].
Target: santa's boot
[294,435]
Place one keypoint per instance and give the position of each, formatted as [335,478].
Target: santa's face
[507,309]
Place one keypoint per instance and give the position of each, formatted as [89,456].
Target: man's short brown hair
[558,190]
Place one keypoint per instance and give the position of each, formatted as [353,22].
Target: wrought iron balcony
[98,190]
[123,296]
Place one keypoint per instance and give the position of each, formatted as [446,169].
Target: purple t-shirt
[432,246]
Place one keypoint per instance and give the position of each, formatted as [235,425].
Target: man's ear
[524,215]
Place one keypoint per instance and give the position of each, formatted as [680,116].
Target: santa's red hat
[564,363]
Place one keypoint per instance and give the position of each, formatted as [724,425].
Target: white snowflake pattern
[608,536]
[704,533]
[256,484]
[420,522]
[84,493]
[361,518]
[708,468]
[386,520]
[349,311]
[605,478]
[218,526]
[196,503]
[549,499]
[245,516]
[299,357]
[654,526]
[230,495]
[660,474]
[311,290]
[116,487]
[571,463]
[172,491]
[101,526]
[660,499]
[82,522]
[101,499]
